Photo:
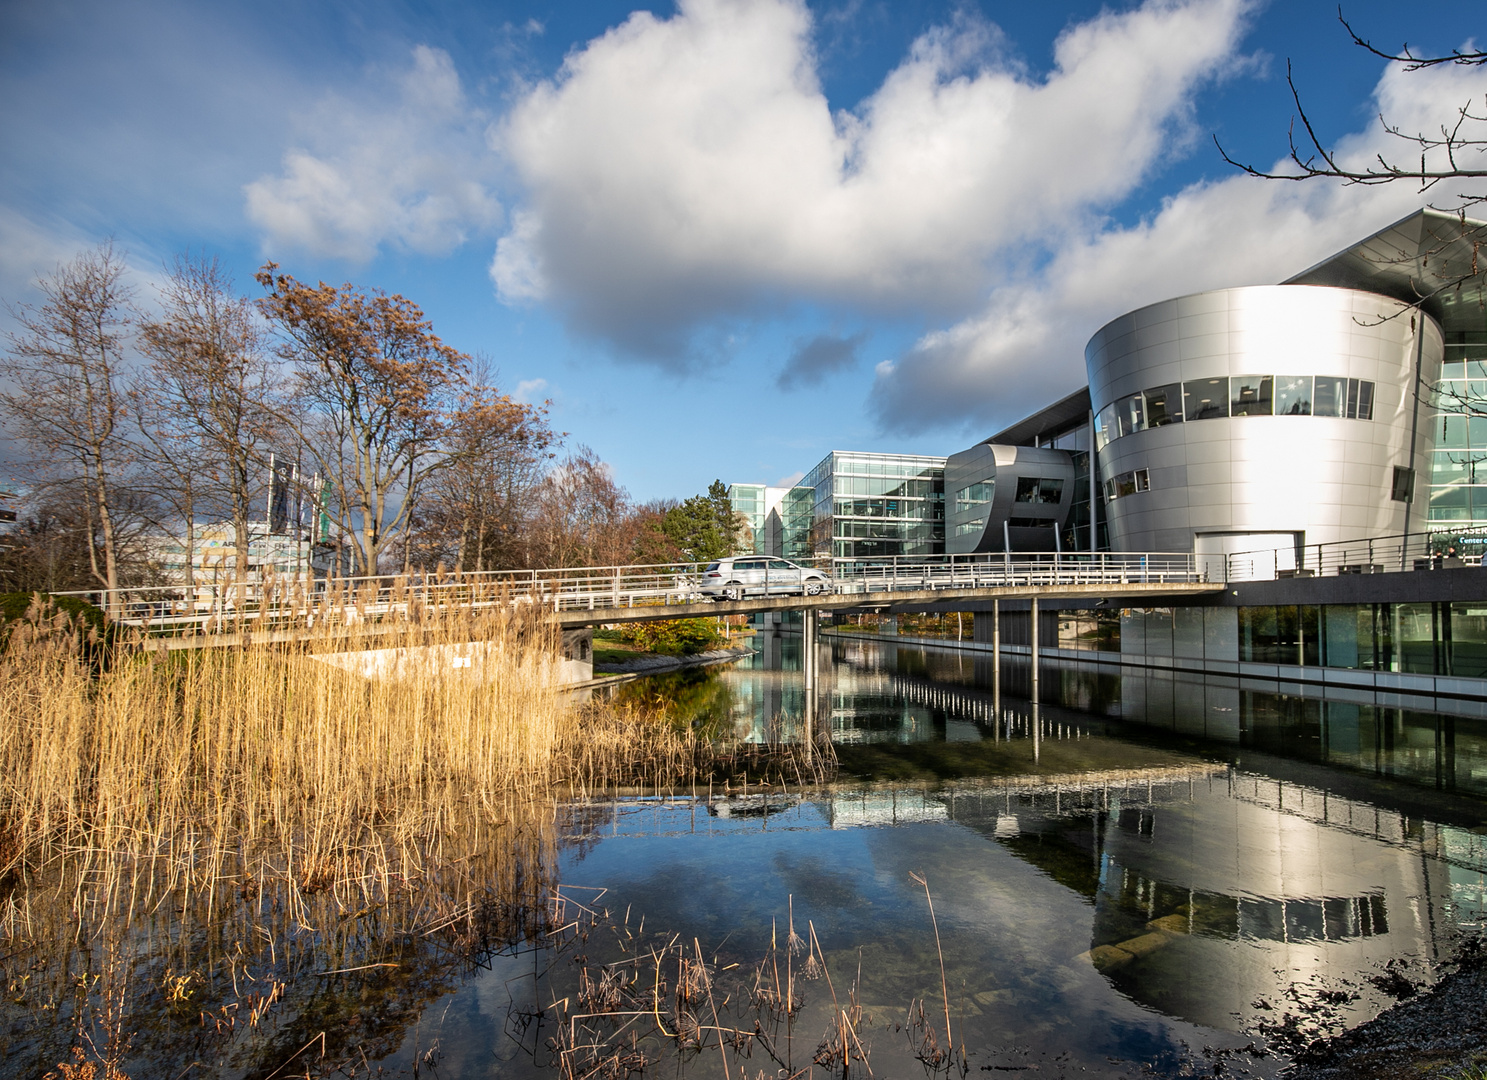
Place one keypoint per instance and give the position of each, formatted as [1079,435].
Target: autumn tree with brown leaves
[376,389]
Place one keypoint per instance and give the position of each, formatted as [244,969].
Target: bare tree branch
[1408,58]
[1456,153]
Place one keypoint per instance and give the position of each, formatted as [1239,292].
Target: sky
[721,237]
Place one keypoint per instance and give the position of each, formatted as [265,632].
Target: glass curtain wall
[1458,475]
[1437,638]
[779,519]
[796,510]
[748,500]
[873,506]
[1076,532]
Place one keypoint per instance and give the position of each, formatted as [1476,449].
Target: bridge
[287,609]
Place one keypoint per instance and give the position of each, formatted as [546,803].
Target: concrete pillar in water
[1033,632]
[1037,726]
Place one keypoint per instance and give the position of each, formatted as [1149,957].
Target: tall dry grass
[204,810]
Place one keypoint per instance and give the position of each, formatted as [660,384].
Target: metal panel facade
[1298,405]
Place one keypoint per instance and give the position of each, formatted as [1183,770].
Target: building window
[1240,395]
[1293,395]
[1033,489]
[974,495]
[1348,398]
[1164,405]
[1205,399]
[1403,488]
[1250,395]
[970,526]
[1127,483]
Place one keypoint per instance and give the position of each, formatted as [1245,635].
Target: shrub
[674,637]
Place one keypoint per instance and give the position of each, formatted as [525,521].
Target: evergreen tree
[704,527]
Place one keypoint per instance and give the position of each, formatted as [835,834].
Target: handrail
[297,600]
[1400,552]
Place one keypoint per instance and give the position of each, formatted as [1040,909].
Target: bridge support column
[1033,636]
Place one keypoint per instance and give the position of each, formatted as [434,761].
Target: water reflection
[1135,871]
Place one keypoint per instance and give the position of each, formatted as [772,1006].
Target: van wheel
[732,592]
[813,588]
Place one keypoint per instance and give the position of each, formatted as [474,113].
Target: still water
[1138,875]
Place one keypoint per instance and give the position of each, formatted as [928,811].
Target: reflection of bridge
[287,610]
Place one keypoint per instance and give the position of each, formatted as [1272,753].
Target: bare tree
[1454,152]
[51,548]
[67,403]
[210,401]
[582,516]
[473,514]
[377,387]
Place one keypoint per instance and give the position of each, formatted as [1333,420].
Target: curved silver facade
[996,493]
[1311,412]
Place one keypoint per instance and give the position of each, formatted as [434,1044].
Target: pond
[1144,874]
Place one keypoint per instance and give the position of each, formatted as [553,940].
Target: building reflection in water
[1216,888]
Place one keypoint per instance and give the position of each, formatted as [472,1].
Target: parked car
[755,575]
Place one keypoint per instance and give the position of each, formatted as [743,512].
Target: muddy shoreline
[1441,1031]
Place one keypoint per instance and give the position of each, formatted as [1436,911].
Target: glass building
[1458,474]
[778,519]
[870,506]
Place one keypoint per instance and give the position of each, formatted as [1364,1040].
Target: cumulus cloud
[823,355]
[407,165]
[678,170]
[1026,345]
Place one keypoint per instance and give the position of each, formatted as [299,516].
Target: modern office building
[285,556]
[1328,407]
[1027,488]
[850,506]
[1348,402]
[778,519]
[869,506]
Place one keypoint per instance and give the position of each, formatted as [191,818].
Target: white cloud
[682,169]
[529,390]
[1026,346]
[409,168]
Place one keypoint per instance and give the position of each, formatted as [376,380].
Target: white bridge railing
[290,601]
[1438,549]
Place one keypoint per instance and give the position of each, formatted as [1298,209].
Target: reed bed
[191,841]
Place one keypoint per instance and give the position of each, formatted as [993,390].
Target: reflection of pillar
[808,649]
[1036,721]
[996,657]
[808,666]
[1034,633]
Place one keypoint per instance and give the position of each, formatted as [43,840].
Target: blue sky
[723,237]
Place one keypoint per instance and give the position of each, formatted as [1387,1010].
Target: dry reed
[223,825]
